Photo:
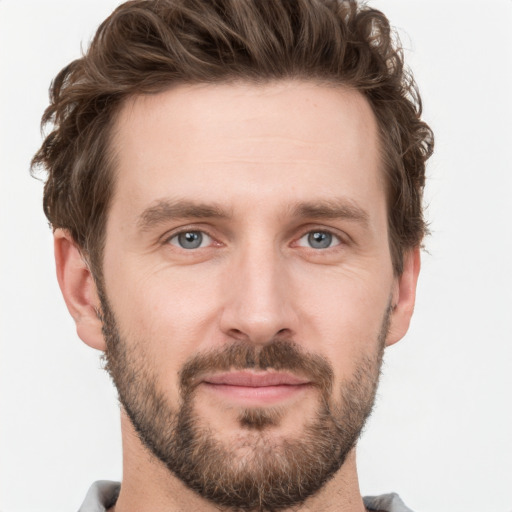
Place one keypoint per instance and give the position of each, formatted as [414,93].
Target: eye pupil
[319,239]
[190,239]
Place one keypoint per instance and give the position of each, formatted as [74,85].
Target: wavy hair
[146,46]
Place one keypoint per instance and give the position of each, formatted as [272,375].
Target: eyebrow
[165,210]
[332,209]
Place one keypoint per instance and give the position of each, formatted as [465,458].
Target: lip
[251,388]
[255,380]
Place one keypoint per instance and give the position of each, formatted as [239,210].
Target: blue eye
[190,240]
[319,240]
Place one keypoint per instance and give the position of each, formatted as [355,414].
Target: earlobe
[78,289]
[404,297]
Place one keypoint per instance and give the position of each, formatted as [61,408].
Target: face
[248,287]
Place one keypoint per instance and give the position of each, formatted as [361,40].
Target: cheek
[343,316]
[169,312]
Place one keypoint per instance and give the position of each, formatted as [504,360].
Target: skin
[259,153]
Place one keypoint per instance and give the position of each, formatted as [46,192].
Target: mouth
[250,388]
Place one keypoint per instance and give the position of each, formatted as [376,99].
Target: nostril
[237,334]
[283,332]
[240,335]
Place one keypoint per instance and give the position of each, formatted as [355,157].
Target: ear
[404,296]
[79,289]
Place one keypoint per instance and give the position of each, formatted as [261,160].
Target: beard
[256,470]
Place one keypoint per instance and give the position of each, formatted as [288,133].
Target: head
[236,192]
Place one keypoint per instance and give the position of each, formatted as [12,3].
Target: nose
[258,298]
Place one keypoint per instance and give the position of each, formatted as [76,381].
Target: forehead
[284,140]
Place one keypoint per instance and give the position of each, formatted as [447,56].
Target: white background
[441,434]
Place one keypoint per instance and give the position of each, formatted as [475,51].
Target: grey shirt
[103,494]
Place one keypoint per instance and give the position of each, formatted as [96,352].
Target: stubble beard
[257,471]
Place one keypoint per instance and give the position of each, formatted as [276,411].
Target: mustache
[277,355]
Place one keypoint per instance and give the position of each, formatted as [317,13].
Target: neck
[148,486]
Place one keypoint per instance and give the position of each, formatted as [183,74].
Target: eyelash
[192,229]
[167,240]
[332,237]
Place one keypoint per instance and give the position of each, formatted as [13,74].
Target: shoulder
[385,503]
[101,496]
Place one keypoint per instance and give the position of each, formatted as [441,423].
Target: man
[235,191]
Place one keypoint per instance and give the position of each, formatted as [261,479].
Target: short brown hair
[146,46]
